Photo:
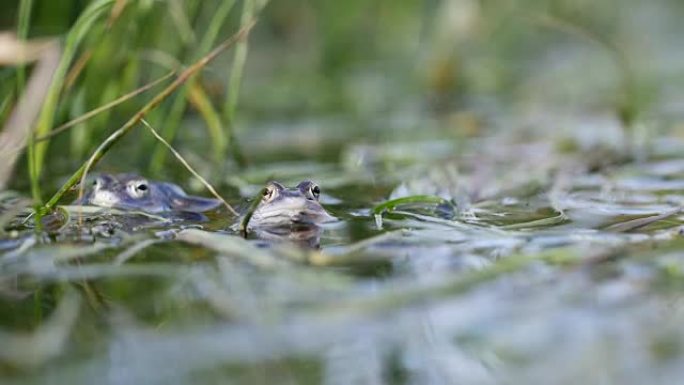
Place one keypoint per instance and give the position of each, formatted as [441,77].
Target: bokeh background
[372,69]
[549,132]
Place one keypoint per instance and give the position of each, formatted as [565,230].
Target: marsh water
[506,176]
[551,263]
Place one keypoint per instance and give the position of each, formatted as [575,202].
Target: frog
[281,213]
[296,207]
[134,192]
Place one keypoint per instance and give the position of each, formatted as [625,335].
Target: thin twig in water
[189,168]
[633,224]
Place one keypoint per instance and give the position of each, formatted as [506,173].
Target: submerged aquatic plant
[392,204]
[498,254]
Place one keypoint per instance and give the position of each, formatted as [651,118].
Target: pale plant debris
[14,51]
[509,199]
[19,126]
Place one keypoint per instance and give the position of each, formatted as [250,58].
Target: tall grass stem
[23,25]
[80,174]
[239,60]
[212,119]
[108,106]
[80,29]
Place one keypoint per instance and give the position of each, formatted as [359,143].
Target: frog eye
[269,193]
[315,191]
[98,182]
[138,189]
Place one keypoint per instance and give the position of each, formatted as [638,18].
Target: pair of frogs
[279,207]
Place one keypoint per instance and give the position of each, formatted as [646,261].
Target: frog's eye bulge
[315,191]
[138,188]
[310,190]
[272,191]
[103,181]
[269,193]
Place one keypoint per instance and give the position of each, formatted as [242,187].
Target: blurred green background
[375,100]
[380,67]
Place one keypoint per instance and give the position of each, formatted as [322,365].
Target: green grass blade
[244,223]
[250,7]
[238,66]
[23,25]
[178,108]
[80,29]
[215,24]
[80,174]
[5,105]
[390,205]
[393,203]
[202,102]
[172,122]
[106,107]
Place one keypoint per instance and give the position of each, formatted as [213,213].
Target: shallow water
[548,267]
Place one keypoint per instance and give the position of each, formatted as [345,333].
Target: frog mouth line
[103,198]
[289,211]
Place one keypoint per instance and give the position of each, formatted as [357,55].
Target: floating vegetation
[392,204]
[494,211]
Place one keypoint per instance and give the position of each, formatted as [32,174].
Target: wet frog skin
[133,192]
[281,212]
[285,207]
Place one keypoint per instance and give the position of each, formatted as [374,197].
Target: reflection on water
[574,280]
[305,235]
[557,257]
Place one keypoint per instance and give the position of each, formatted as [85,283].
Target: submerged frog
[282,213]
[133,192]
[296,207]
